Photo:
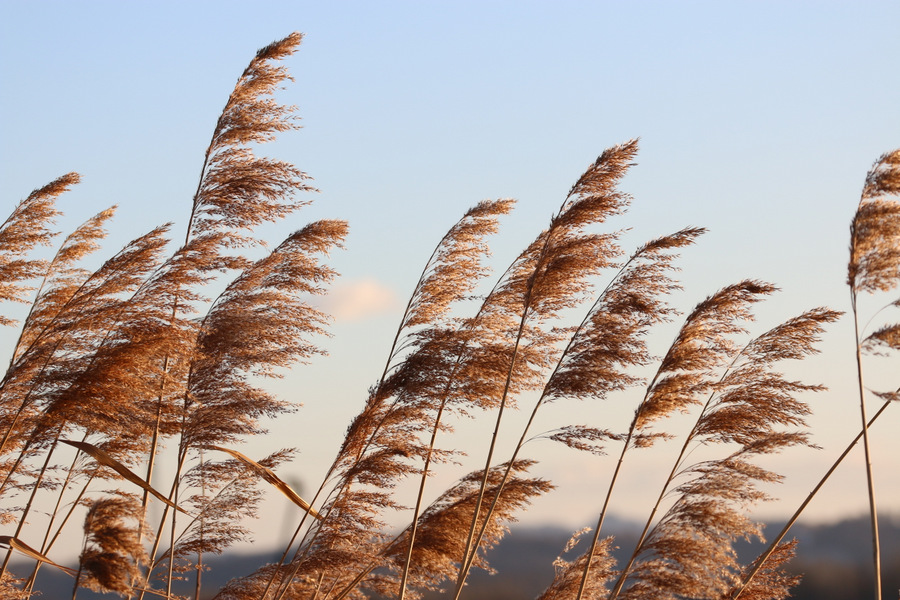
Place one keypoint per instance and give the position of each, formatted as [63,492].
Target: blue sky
[757,120]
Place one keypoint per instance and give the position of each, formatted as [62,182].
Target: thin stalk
[78,572]
[318,585]
[199,551]
[873,511]
[531,418]
[151,461]
[63,488]
[286,581]
[154,440]
[356,580]
[290,543]
[302,548]
[171,570]
[414,525]
[624,573]
[198,516]
[289,581]
[304,545]
[417,511]
[157,539]
[596,537]
[199,573]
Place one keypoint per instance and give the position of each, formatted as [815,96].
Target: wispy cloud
[356,300]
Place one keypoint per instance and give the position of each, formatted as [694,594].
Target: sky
[756,120]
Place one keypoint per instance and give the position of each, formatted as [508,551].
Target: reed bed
[158,355]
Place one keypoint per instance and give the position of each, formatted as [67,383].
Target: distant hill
[835,560]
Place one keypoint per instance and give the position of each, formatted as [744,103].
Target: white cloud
[360,299]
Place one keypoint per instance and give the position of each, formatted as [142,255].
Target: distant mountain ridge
[835,560]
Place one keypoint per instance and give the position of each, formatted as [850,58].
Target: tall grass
[114,365]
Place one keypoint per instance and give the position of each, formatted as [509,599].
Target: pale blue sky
[757,120]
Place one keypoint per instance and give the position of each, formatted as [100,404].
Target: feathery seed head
[875,232]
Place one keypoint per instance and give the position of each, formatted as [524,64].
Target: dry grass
[123,361]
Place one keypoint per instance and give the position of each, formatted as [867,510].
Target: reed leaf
[23,548]
[106,460]
[267,474]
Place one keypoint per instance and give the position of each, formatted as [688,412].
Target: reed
[158,358]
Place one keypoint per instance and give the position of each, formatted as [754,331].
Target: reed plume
[66,355]
[772,582]
[874,253]
[112,550]
[11,588]
[436,551]
[587,575]
[258,325]
[227,496]
[239,190]
[26,228]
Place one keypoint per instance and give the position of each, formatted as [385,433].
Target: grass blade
[108,461]
[267,474]
[27,550]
